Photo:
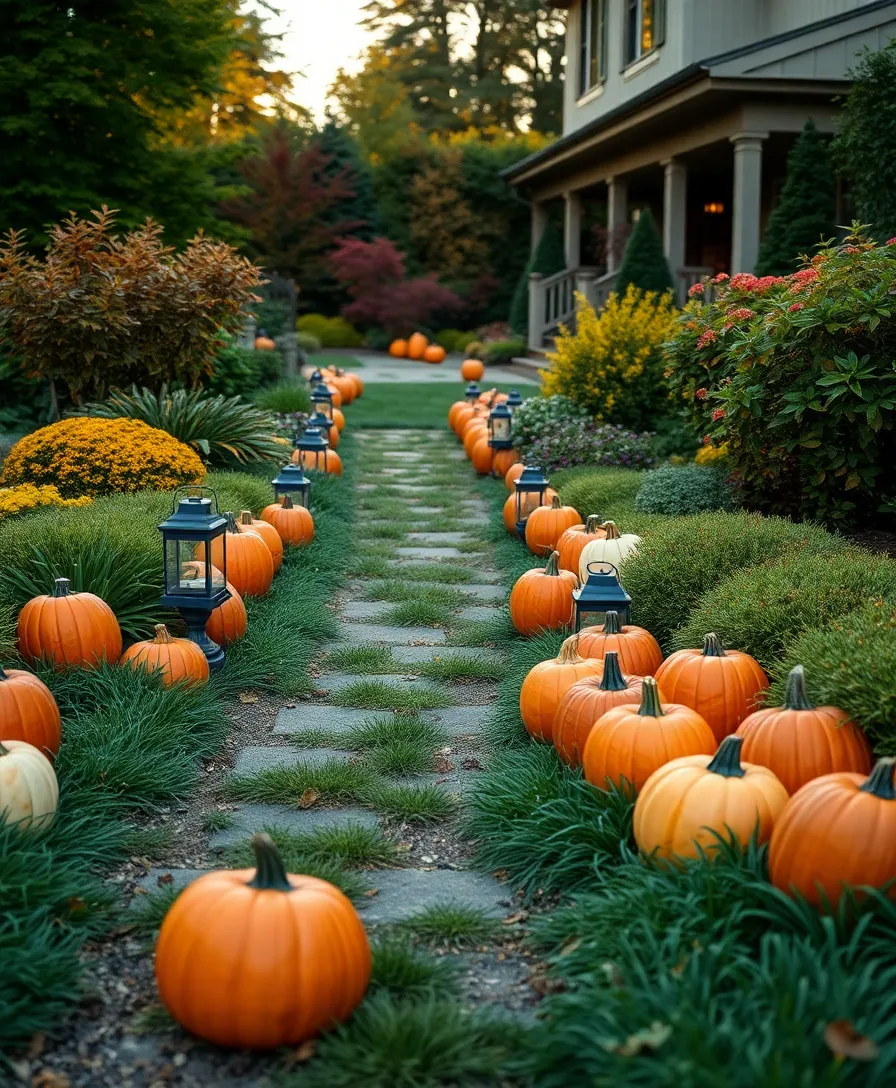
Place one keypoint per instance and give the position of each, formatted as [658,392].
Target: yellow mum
[708,455]
[24,497]
[86,456]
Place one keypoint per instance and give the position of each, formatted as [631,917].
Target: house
[688,107]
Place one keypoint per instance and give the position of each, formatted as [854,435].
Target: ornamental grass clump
[82,456]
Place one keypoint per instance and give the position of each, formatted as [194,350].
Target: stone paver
[391,636]
[404,892]
[462,720]
[257,758]
[338,681]
[481,575]
[329,719]
[405,455]
[430,553]
[249,819]
[365,610]
[478,612]
[413,654]
[438,538]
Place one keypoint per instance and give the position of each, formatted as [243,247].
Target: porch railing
[686,278]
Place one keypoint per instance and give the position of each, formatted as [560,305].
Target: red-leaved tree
[375,277]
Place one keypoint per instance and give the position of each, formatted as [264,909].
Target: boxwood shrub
[685,489]
[609,492]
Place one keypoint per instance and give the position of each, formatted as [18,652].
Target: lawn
[412,404]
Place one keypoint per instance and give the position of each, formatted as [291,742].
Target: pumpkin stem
[569,651]
[726,761]
[552,569]
[650,707]
[163,635]
[612,530]
[612,679]
[62,587]
[712,646]
[233,526]
[286,502]
[555,502]
[592,523]
[3,751]
[246,517]
[611,624]
[796,697]
[270,874]
[880,782]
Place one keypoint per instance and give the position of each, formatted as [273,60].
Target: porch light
[312,445]
[293,482]
[530,488]
[472,394]
[601,597]
[322,401]
[192,584]
[500,420]
[714,208]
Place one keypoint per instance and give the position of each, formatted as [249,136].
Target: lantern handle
[195,487]
[609,568]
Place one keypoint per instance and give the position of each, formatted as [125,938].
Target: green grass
[365,659]
[398,590]
[149,842]
[468,667]
[400,757]
[217,820]
[454,924]
[335,782]
[372,549]
[150,910]
[386,530]
[405,971]
[417,613]
[353,845]
[445,572]
[420,405]
[413,804]
[370,566]
[496,632]
[404,728]
[379,695]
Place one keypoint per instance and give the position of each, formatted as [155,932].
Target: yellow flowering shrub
[24,497]
[711,455]
[612,364]
[86,456]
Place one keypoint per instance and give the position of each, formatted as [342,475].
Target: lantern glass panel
[501,428]
[590,619]
[526,502]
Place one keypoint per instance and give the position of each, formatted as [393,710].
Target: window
[593,49]
[644,28]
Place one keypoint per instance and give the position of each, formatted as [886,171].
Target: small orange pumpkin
[417,345]
[456,407]
[359,383]
[572,542]
[472,370]
[547,683]
[228,622]
[309,460]
[264,343]
[639,652]
[547,524]
[800,741]
[542,599]
[434,353]
[338,420]
[337,395]
[294,524]
[246,958]
[721,685]
[504,460]
[178,658]
[28,711]
[268,534]
[630,742]
[473,435]
[398,349]
[68,629]
[586,702]
[249,564]
[461,418]
[511,477]
[483,456]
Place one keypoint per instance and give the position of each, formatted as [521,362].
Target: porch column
[539,222]
[617,218]
[536,312]
[747,200]
[572,229]
[675,191]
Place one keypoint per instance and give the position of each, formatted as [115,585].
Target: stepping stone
[407,487]
[481,575]
[462,720]
[365,610]
[330,719]
[401,453]
[439,538]
[390,636]
[405,892]
[415,654]
[430,553]
[253,759]
[338,681]
[487,592]
[180,878]
[252,818]
[428,510]
[481,612]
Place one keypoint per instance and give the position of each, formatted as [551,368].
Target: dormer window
[644,28]
[593,45]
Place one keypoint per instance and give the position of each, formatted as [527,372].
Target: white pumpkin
[613,549]
[29,792]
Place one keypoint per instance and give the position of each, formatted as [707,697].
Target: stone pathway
[380,367]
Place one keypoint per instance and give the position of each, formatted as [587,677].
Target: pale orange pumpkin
[267,533]
[178,658]
[547,683]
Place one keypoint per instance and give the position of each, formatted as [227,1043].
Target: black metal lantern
[601,597]
[293,482]
[500,421]
[530,488]
[514,400]
[192,584]
[472,394]
[320,421]
[314,379]
[322,401]
[313,445]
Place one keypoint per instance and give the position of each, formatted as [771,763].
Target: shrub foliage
[684,489]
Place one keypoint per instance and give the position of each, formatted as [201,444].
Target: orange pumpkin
[68,629]
[511,477]
[309,461]
[721,685]
[417,345]
[337,395]
[434,354]
[689,804]
[249,958]
[359,383]
[338,420]
[473,435]
[547,683]
[483,456]
[837,831]
[228,622]
[294,524]
[586,702]
[28,711]
[800,741]
[462,418]
[249,564]
[453,410]
[268,534]
[345,385]
[504,460]
[178,658]
[572,542]
[264,343]
[398,349]
[542,599]
[547,524]
[509,515]
[630,742]
[471,370]
[639,652]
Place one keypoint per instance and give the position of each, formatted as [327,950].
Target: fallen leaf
[248,697]
[371,892]
[305,1052]
[46,1078]
[76,905]
[501,874]
[291,706]
[513,919]
[471,764]
[544,984]
[846,1041]
[651,1038]
[165,878]
[308,798]
[443,766]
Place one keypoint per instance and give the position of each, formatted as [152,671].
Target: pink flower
[706,440]
[718,414]
[697,289]
[850,249]
[742,313]
[709,337]
[796,306]
[701,393]
[743,281]
[890,242]
[721,278]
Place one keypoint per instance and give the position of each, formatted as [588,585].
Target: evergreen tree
[806,207]
[644,264]
[344,161]
[549,258]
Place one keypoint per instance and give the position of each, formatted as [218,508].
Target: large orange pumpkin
[456,407]
[689,804]
[398,349]
[572,542]
[547,524]
[509,514]
[309,460]
[267,533]
[630,742]
[68,629]
[586,702]
[471,370]
[261,958]
[178,658]
[639,652]
[333,434]
[28,711]
[547,683]
[228,622]
[337,395]
[417,345]
[721,685]
[249,564]
[473,435]
[338,420]
[483,456]
[511,477]
[462,417]
[503,462]
[345,385]
[294,524]
[434,353]
[800,741]
[359,383]
[542,599]
[837,831]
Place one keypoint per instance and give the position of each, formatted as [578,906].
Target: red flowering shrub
[795,375]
